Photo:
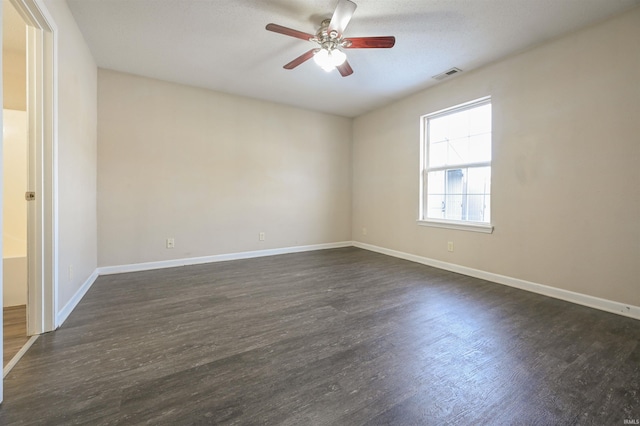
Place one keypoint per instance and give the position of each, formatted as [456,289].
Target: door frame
[42,245]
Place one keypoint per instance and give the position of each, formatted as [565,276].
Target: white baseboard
[566,295]
[136,267]
[64,313]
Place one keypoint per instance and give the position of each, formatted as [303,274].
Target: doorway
[15,173]
[14,237]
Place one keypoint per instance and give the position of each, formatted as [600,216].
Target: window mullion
[458,166]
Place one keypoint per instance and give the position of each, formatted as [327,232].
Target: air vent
[448,73]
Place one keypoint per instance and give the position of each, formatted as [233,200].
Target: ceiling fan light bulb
[324,60]
[337,57]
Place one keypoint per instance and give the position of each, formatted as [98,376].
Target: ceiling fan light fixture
[322,59]
[330,39]
[338,57]
[329,59]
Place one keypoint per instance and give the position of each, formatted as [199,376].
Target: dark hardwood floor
[333,337]
[14,328]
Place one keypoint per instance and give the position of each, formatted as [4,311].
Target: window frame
[465,225]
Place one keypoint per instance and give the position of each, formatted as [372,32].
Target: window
[456,167]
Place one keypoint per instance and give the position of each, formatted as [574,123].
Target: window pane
[438,130]
[480,120]
[460,137]
[478,193]
[459,194]
[458,124]
[436,183]
[435,195]
[458,151]
[454,197]
[479,148]
[478,208]
[435,209]
[438,154]
[479,180]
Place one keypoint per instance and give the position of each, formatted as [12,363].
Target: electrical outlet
[364,231]
[171,243]
[450,246]
[261,236]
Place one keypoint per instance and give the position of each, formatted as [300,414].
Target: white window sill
[461,226]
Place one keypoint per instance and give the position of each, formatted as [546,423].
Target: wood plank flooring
[333,337]
[14,328]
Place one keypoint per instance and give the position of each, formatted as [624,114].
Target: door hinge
[30,196]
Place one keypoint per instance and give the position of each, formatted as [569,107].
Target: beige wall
[566,148]
[77,123]
[213,171]
[14,206]
[14,64]
[14,281]
[14,79]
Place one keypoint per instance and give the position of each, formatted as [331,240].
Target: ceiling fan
[331,41]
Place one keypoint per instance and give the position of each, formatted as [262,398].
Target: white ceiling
[223,45]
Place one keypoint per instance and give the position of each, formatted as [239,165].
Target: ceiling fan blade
[370,42]
[289,32]
[300,59]
[345,69]
[342,16]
